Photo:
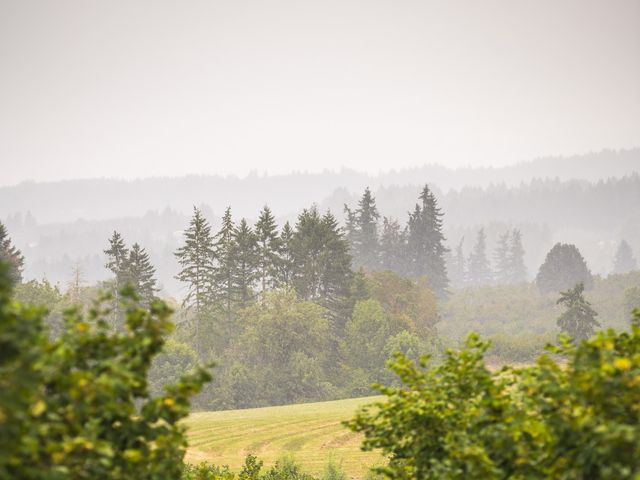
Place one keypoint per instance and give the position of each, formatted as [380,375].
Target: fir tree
[336,274]
[624,261]
[246,259]
[458,264]
[563,268]
[195,258]
[362,231]
[322,264]
[479,269]
[141,274]
[268,249]
[502,272]
[426,243]
[285,262]
[224,272]
[392,246]
[11,255]
[579,319]
[517,268]
[117,258]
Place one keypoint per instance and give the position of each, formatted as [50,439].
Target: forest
[313,310]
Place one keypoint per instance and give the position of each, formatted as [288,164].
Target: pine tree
[479,269]
[285,262]
[195,258]
[336,276]
[362,232]
[458,265]
[141,274]
[426,248]
[579,319]
[517,268]
[563,268]
[321,259]
[502,272]
[117,258]
[246,257]
[224,272]
[624,261]
[11,255]
[268,249]
[392,246]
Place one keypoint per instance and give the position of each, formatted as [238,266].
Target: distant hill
[59,224]
[99,199]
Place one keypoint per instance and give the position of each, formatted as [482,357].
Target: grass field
[312,433]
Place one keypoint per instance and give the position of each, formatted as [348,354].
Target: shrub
[576,417]
[78,407]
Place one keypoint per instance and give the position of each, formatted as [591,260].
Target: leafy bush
[576,417]
[79,406]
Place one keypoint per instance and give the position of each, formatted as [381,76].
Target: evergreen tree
[336,275]
[458,265]
[246,258]
[392,246]
[624,261]
[579,319]
[563,268]
[479,269]
[425,243]
[285,262]
[362,232]
[195,258]
[322,264]
[502,272]
[11,255]
[117,258]
[141,274]
[224,272]
[517,268]
[268,249]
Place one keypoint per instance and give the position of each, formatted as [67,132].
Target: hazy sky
[155,87]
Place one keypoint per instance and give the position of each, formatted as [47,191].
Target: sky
[139,88]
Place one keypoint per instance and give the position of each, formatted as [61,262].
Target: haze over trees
[624,260]
[563,268]
[10,254]
[579,319]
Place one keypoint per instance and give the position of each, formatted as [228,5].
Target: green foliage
[578,417]
[79,406]
[195,258]
[11,255]
[579,319]
[284,469]
[563,268]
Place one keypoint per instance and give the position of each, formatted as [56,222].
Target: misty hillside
[99,199]
[593,213]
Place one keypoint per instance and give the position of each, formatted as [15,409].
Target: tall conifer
[141,274]
[479,269]
[11,255]
[224,273]
[246,271]
[502,272]
[517,268]
[195,258]
[268,249]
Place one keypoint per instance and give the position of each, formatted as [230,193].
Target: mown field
[312,433]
